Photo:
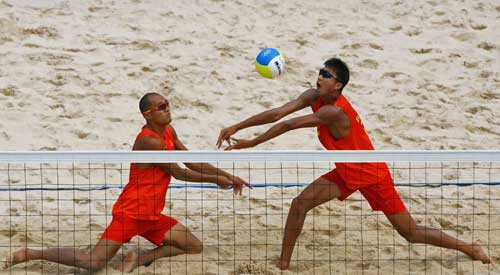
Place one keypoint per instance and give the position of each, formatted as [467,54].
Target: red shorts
[381,197]
[123,228]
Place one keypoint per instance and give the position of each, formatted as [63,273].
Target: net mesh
[67,202]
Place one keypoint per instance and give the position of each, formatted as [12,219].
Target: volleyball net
[64,199]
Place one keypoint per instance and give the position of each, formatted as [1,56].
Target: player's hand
[225,134]
[239,184]
[236,182]
[240,144]
[224,182]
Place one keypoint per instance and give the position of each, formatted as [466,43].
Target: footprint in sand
[42,31]
[487,46]
[364,265]
[448,264]
[166,86]
[451,226]
[463,36]
[49,58]
[457,205]
[253,268]
[477,109]
[480,129]
[24,238]
[331,233]
[8,233]
[271,223]
[414,32]
[392,74]
[10,91]
[81,134]
[306,265]
[355,207]
[396,28]
[144,45]
[421,51]
[376,46]
[369,64]
[387,251]
[416,200]
[330,36]
[81,201]
[94,227]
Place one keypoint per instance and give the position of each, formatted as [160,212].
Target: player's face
[160,110]
[327,81]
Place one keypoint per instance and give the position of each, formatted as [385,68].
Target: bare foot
[478,254]
[19,256]
[129,262]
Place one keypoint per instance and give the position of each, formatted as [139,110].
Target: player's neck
[329,97]
[157,128]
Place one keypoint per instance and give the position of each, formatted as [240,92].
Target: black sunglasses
[326,74]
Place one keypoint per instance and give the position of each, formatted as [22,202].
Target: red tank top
[356,175]
[143,198]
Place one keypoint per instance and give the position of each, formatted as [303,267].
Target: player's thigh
[181,237]
[318,192]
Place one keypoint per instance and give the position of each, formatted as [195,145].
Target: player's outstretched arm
[205,168]
[269,116]
[153,143]
[325,116]
[194,176]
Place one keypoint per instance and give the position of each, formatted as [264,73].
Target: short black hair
[144,103]
[341,70]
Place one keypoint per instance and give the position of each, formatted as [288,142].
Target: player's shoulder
[309,96]
[330,111]
[311,93]
[148,142]
[172,129]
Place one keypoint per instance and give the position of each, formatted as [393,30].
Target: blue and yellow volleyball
[270,63]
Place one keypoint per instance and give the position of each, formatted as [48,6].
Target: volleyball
[270,63]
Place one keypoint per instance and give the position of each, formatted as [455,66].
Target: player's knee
[411,236]
[295,207]
[300,206]
[96,265]
[195,248]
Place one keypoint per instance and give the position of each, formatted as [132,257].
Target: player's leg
[95,259]
[317,193]
[384,197]
[407,228]
[177,241]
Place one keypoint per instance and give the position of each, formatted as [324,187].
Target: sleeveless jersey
[356,175]
[143,198]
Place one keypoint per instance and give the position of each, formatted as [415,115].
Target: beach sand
[424,75]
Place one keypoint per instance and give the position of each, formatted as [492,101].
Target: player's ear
[338,86]
[147,115]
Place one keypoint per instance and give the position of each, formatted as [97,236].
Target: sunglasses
[326,74]
[159,107]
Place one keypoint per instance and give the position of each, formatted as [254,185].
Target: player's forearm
[207,169]
[273,132]
[194,176]
[266,117]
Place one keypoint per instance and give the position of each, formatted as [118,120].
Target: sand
[424,75]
